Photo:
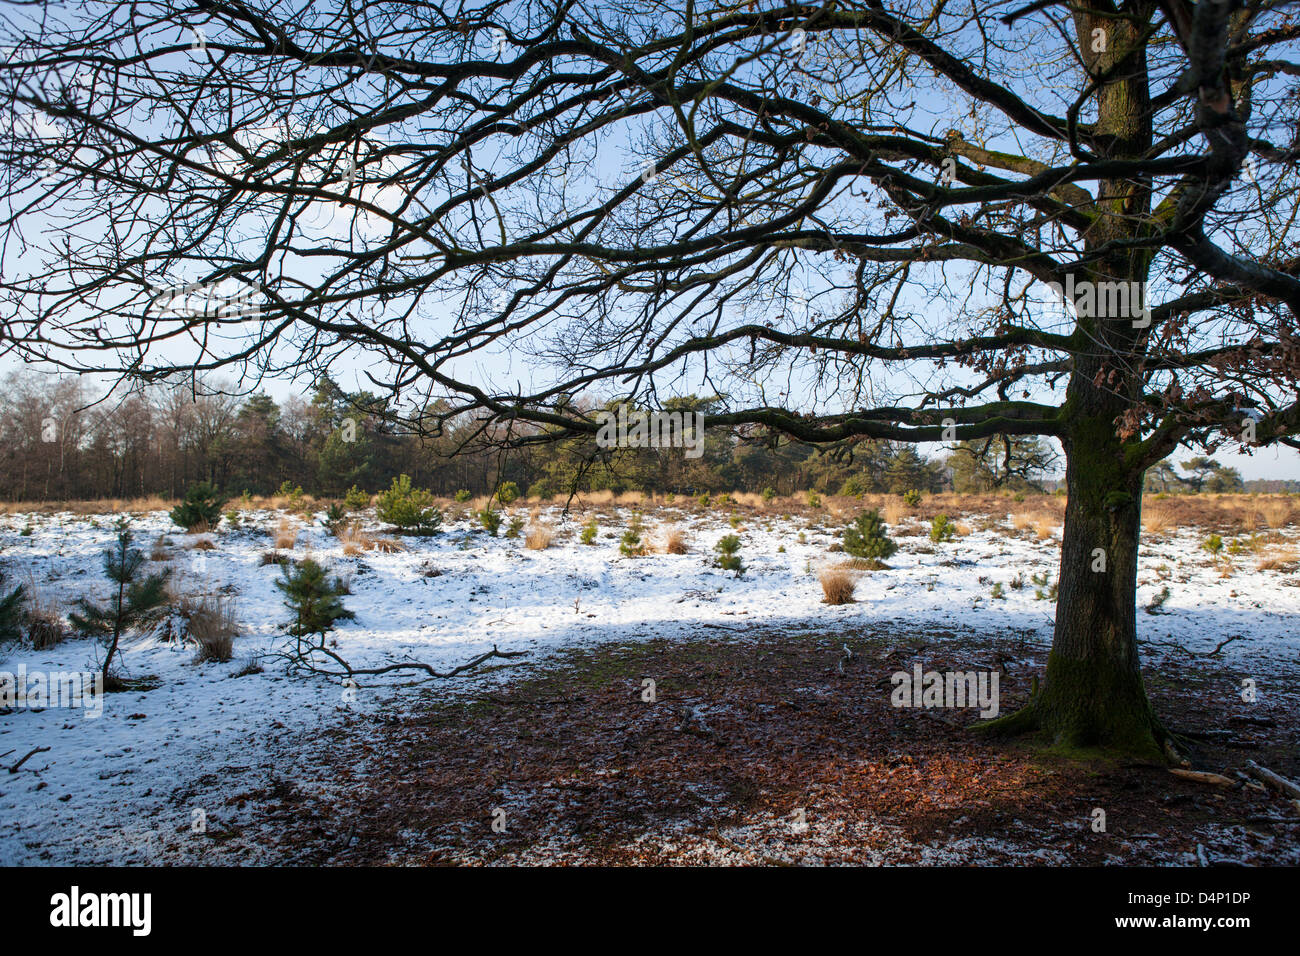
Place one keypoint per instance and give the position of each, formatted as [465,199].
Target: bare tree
[851,220]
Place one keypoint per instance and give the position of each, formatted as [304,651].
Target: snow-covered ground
[128,785]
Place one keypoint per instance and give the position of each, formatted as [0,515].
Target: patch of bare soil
[778,748]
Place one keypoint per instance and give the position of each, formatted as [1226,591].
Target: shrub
[356,499]
[854,487]
[728,548]
[814,500]
[631,545]
[291,491]
[336,516]
[1046,589]
[508,492]
[589,531]
[838,586]
[516,525]
[462,496]
[1213,544]
[866,537]
[489,519]
[200,509]
[314,600]
[407,508]
[912,498]
[942,529]
[133,604]
[769,493]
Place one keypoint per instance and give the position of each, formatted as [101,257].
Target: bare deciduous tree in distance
[845,218]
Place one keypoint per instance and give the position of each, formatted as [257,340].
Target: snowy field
[127,786]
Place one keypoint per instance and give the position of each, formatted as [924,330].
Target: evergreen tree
[866,537]
[316,602]
[201,508]
[134,603]
[13,615]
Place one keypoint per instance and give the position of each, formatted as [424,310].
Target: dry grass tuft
[1284,559]
[1276,513]
[1045,529]
[160,552]
[675,540]
[894,512]
[539,537]
[45,626]
[837,586]
[203,544]
[210,625]
[1157,519]
[286,534]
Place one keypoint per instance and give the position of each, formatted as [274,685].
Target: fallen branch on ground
[33,753]
[1203,776]
[304,658]
[1276,781]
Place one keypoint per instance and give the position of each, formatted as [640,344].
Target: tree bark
[1093,694]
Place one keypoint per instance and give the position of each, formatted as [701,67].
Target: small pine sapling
[316,602]
[866,537]
[728,548]
[200,510]
[134,604]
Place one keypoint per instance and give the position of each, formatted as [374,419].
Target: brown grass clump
[388,545]
[1284,560]
[210,625]
[45,627]
[1045,529]
[675,541]
[837,586]
[354,540]
[894,512]
[203,544]
[1276,513]
[1157,519]
[539,537]
[286,534]
[160,552]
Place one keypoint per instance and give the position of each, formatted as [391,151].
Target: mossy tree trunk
[1093,694]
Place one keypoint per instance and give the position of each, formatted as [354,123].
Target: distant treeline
[159,440]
